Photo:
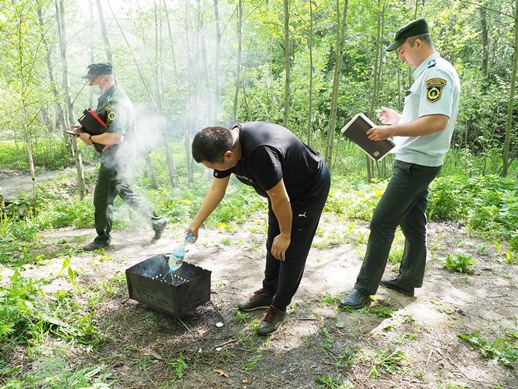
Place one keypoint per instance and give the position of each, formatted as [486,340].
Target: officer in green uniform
[115,108]
[422,134]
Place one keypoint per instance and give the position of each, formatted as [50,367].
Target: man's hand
[388,116]
[379,133]
[279,247]
[85,137]
[76,130]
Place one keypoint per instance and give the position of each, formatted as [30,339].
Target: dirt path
[11,186]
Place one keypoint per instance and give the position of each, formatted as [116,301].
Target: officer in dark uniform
[293,178]
[422,133]
[115,108]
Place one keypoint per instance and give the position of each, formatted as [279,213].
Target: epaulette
[432,63]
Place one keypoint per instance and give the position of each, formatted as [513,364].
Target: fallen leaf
[221,373]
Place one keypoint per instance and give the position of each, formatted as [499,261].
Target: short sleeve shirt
[436,90]
[269,153]
[115,108]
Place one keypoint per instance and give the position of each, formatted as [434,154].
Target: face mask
[95,90]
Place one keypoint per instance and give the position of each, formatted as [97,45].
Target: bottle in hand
[178,253]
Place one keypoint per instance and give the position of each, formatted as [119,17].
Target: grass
[29,318]
[504,349]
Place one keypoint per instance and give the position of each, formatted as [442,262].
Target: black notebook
[356,130]
[92,123]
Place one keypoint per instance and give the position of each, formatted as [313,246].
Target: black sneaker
[159,227]
[259,300]
[399,286]
[272,321]
[96,245]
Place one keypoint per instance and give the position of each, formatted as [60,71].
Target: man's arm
[107,138]
[422,126]
[212,199]
[281,207]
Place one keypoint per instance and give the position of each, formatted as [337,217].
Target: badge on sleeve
[110,113]
[434,89]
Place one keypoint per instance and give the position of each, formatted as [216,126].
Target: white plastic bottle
[178,252]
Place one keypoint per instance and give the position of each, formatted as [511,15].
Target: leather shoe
[259,300]
[355,300]
[159,227]
[272,321]
[94,245]
[399,286]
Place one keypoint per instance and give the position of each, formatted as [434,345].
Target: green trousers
[108,187]
[402,204]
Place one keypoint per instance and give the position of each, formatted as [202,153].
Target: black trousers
[282,278]
[402,204]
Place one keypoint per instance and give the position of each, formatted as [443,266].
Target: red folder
[92,123]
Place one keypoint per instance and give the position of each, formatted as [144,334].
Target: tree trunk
[171,168]
[310,87]
[484,35]
[216,62]
[60,120]
[60,15]
[374,167]
[509,124]
[239,53]
[287,63]
[156,105]
[104,32]
[341,25]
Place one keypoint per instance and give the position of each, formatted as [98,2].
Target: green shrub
[18,308]
[459,262]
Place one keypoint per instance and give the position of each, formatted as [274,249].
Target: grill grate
[150,283]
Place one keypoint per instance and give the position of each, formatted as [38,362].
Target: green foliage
[252,363]
[353,201]
[24,314]
[328,339]
[55,372]
[178,364]
[387,362]
[347,357]
[329,299]
[330,382]
[460,262]
[48,154]
[488,204]
[504,349]
[241,317]
[19,308]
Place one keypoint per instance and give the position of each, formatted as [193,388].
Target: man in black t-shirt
[296,182]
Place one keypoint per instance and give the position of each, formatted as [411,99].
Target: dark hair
[211,143]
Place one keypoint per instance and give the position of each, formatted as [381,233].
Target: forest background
[308,65]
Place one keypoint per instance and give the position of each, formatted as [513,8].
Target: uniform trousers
[282,278]
[402,204]
[109,186]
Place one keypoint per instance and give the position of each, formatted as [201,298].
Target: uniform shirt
[269,153]
[115,108]
[436,90]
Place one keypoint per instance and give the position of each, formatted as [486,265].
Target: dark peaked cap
[98,69]
[417,27]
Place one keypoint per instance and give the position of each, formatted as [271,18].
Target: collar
[107,92]
[426,64]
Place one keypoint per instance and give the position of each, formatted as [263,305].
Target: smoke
[147,136]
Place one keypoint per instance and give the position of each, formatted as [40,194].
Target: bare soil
[143,344]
